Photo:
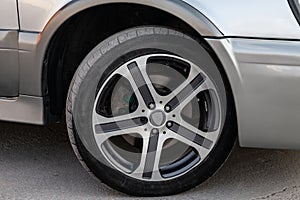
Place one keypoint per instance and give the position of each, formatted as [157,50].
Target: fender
[55,12]
[251,19]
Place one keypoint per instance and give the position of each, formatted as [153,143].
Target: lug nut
[152,106]
[155,131]
[167,108]
[169,124]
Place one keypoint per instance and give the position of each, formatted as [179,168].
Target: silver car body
[258,43]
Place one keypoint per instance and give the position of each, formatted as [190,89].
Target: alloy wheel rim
[153,118]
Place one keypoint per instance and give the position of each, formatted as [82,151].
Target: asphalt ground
[38,163]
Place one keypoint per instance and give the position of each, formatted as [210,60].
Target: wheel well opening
[82,32]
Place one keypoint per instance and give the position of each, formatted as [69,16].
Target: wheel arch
[188,15]
[58,13]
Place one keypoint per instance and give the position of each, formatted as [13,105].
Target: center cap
[158,118]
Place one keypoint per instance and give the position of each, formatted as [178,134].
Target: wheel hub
[157,118]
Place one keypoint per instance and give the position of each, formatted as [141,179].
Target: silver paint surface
[25,109]
[269,103]
[9,66]
[255,18]
[9,39]
[31,63]
[9,15]
[9,63]
[265,82]
[9,73]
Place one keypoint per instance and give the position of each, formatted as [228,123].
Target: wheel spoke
[203,152]
[192,136]
[187,90]
[120,125]
[142,63]
[99,119]
[101,138]
[150,157]
[206,85]
[210,134]
[142,82]
[108,127]
[124,72]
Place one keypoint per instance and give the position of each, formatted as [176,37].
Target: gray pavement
[38,163]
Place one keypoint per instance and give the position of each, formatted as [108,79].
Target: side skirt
[23,109]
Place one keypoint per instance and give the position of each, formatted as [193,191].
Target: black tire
[95,69]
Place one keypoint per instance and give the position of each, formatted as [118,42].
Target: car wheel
[150,113]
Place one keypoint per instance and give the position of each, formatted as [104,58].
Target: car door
[9,27]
